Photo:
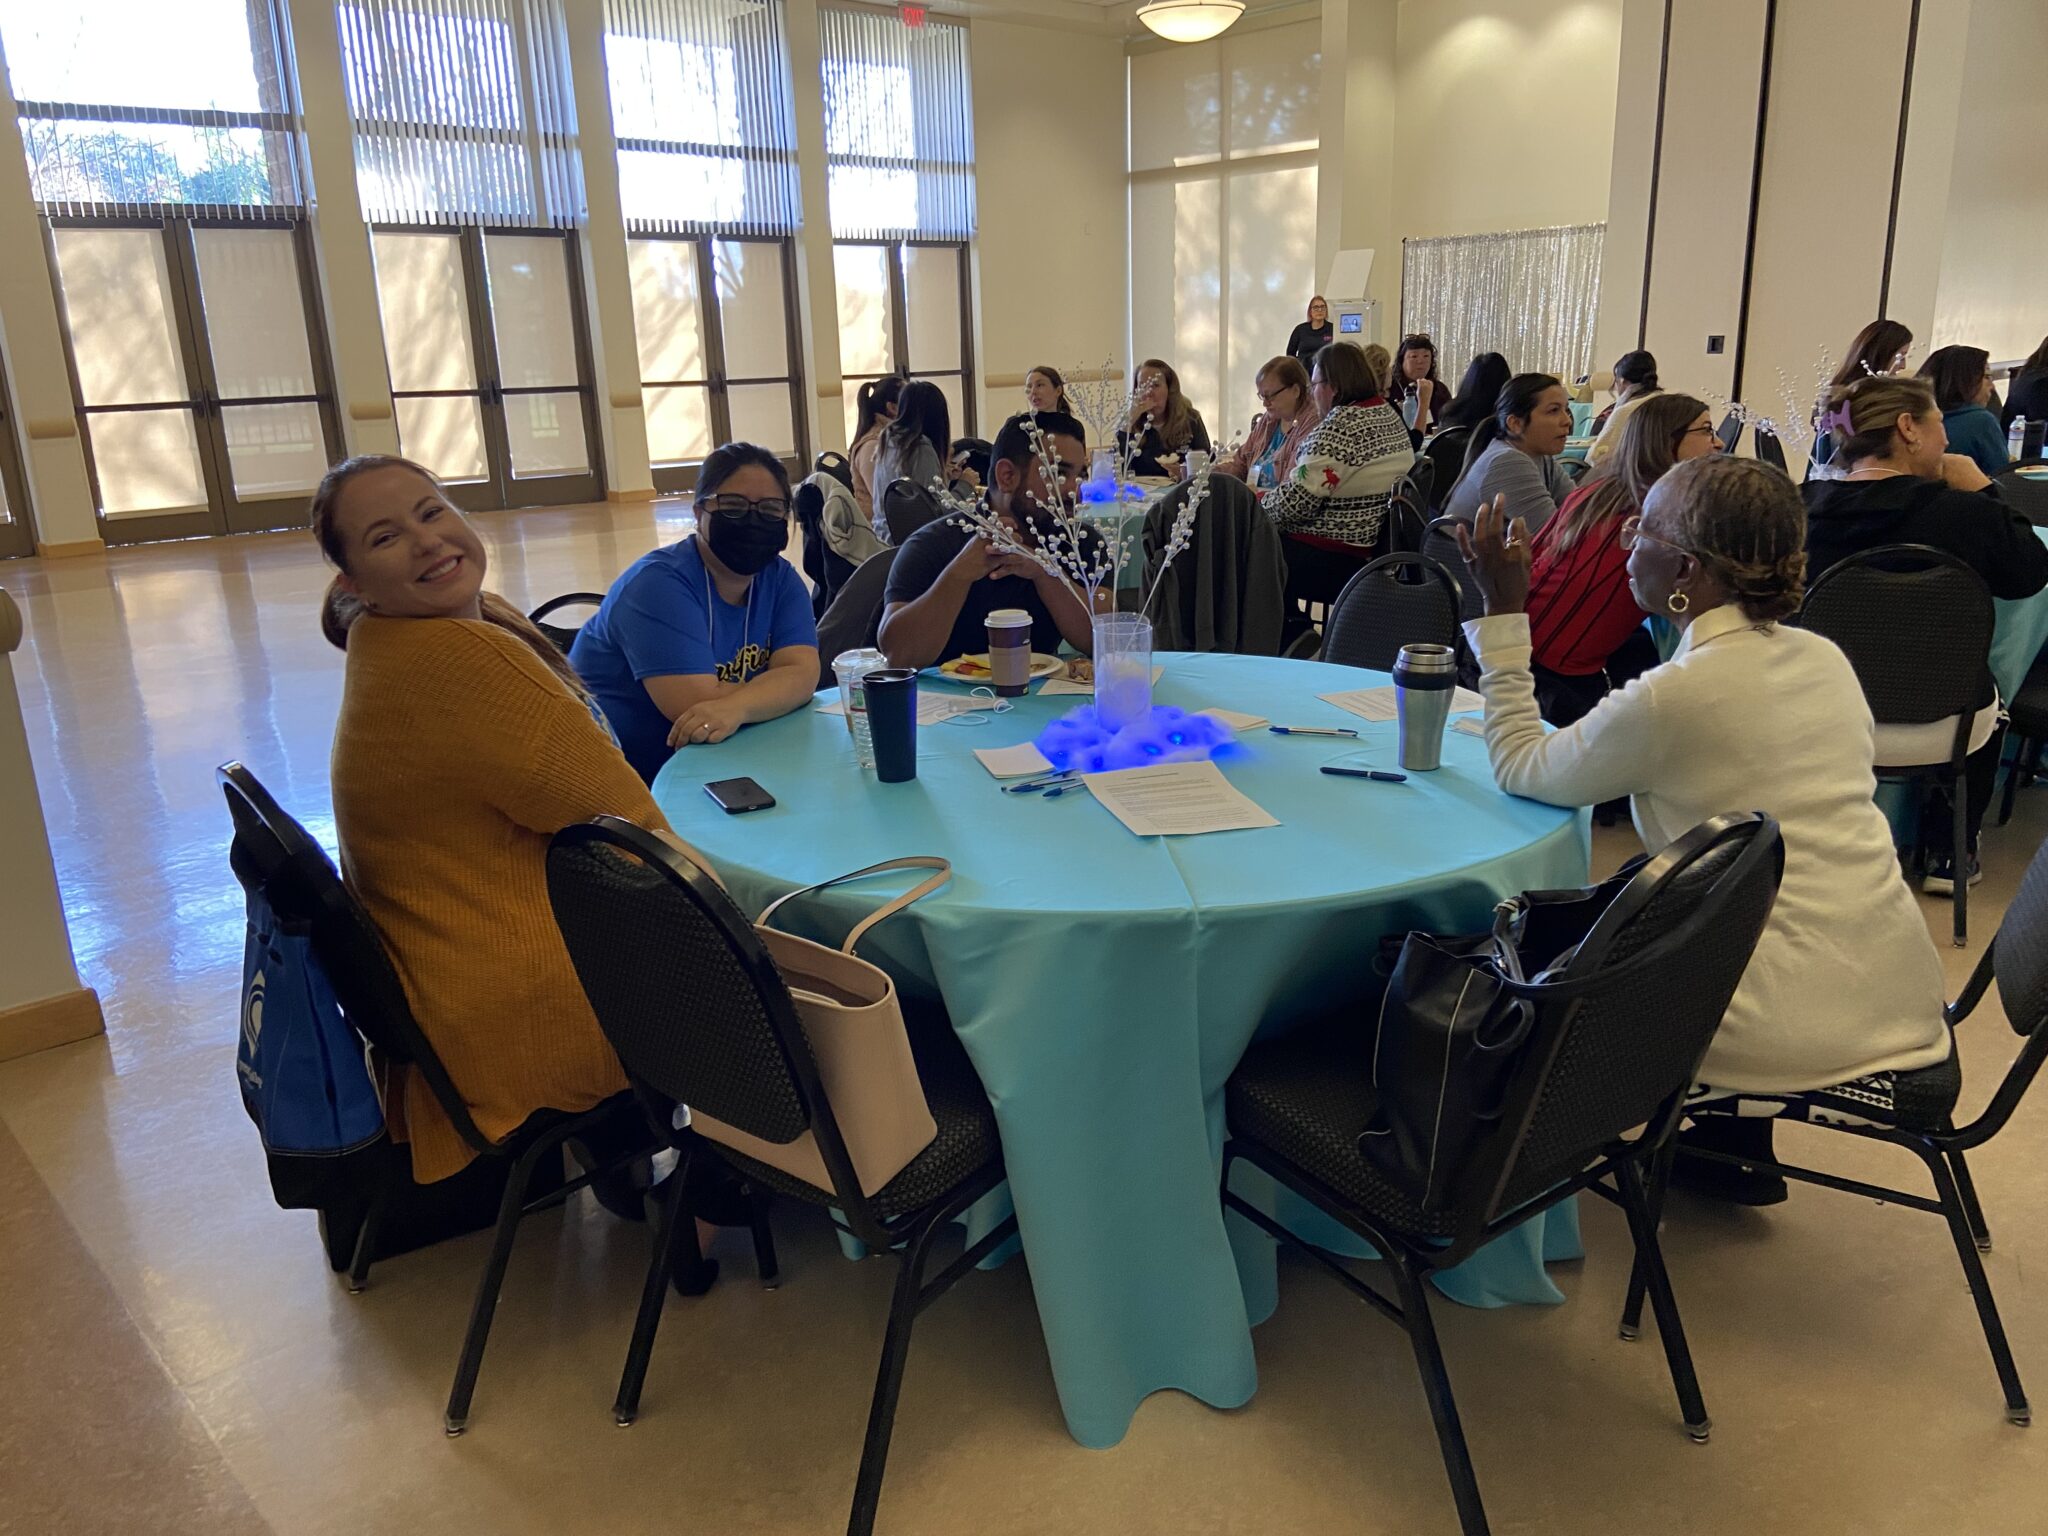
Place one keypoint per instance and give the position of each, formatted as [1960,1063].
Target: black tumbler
[892,722]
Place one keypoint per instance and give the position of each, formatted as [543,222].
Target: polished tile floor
[177,1359]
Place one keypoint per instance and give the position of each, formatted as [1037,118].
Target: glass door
[486,346]
[720,372]
[542,434]
[197,374]
[903,310]
[17,537]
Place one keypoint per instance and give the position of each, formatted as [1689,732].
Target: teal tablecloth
[2020,631]
[1105,985]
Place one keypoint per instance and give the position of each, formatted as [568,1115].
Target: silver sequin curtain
[1532,295]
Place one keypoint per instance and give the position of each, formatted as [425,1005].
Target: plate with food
[974,669]
[2032,472]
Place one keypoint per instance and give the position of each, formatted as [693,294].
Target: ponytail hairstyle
[1879,348]
[1638,370]
[340,608]
[1862,416]
[1062,406]
[1517,397]
[871,400]
[1742,519]
[1650,437]
[1380,364]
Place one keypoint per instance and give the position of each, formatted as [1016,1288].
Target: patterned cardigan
[1347,465]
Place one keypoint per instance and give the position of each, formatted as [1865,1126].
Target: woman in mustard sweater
[464,744]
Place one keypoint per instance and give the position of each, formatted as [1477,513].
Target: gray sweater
[1535,488]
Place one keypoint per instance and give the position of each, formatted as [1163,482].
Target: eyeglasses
[1633,533]
[742,506]
[1268,396]
[1688,432]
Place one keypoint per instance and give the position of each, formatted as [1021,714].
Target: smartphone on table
[737,795]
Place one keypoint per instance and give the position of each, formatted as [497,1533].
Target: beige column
[39,378]
[1355,172]
[817,286]
[607,279]
[341,240]
[42,1002]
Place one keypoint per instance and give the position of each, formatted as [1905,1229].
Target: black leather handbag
[1451,1029]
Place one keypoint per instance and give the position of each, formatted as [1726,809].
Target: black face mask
[746,545]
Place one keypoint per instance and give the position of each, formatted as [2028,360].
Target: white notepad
[1237,720]
[1378,703]
[932,708]
[1176,800]
[1013,762]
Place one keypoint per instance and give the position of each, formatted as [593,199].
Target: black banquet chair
[1408,509]
[2027,712]
[564,635]
[1920,1116]
[1397,600]
[854,620]
[1445,454]
[1729,432]
[834,463]
[906,507]
[699,1014]
[1916,625]
[303,888]
[827,569]
[1615,1041]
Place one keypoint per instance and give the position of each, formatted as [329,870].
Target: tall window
[1223,144]
[701,109]
[899,150]
[465,130]
[160,143]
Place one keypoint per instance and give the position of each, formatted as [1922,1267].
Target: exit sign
[913,15]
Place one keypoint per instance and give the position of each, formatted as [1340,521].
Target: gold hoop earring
[1678,602]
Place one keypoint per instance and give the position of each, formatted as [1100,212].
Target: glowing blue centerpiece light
[1101,490]
[1165,734]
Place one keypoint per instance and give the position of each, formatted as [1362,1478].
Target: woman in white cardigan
[1747,715]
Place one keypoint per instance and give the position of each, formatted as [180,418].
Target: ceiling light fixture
[1190,21]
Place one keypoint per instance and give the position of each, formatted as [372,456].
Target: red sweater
[1580,607]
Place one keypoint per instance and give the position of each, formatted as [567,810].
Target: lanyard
[746,621]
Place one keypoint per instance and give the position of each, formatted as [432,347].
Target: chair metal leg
[1973,1210]
[2012,782]
[2016,1408]
[1962,861]
[1443,1409]
[367,1235]
[678,1229]
[485,1307]
[1650,1264]
[874,1455]
[1660,1184]
[764,1239]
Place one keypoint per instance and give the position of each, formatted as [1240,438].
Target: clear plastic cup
[850,667]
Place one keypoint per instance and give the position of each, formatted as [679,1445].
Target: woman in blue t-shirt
[709,634]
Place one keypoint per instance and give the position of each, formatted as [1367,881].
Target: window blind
[132,109]
[1531,294]
[701,110]
[899,127]
[463,112]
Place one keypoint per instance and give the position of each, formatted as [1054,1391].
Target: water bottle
[1424,678]
[2016,437]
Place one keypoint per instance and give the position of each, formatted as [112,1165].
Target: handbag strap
[889,908]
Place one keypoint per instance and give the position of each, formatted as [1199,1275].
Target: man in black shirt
[946,581]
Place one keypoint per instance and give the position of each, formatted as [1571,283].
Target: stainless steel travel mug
[1425,676]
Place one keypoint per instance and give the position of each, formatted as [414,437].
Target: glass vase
[1123,669]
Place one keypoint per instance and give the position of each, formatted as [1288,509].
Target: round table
[1105,985]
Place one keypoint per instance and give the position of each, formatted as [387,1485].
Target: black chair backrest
[825,566]
[1770,449]
[564,635]
[273,853]
[907,507]
[1445,454]
[1440,543]
[834,464]
[1397,600]
[1619,1035]
[854,621]
[1408,512]
[1915,623]
[1730,431]
[1422,476]
[688,995]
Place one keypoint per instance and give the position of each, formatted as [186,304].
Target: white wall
[1993,289]
[1050,201]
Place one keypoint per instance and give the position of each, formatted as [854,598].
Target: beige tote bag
[854,1022]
